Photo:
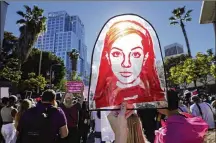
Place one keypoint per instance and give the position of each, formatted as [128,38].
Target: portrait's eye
[136,54]
[116,54]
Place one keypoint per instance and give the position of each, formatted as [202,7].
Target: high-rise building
[64,33]
[3,7]
[173,49]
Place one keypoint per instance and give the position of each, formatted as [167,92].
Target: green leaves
[10,71]
[213,71]
[194,69]
[174,23]
[180,15]
[74,54]
[33,82]
[32,24]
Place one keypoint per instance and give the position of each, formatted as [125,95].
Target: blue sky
[95,14]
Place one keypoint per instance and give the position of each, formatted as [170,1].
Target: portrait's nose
[126,62]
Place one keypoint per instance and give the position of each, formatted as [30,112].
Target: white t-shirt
[207,113]
[97,121]
[183,108]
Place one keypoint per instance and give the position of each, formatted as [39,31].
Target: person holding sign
[72,107]
[127,70]
[126,126]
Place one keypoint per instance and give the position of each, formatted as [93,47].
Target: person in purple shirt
[43,123]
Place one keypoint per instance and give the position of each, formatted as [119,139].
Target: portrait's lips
[126,74]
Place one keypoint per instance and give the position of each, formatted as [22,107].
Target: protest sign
[127,65]
[75,86]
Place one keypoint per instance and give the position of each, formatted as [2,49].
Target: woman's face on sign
[126,58]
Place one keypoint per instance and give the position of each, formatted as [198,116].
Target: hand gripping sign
[124,65]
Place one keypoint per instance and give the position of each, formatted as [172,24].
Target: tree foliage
[31,24]
[74,56]
[194,69]
[48,60]
[33,82]
[170,62]
[180,15]
[9,71]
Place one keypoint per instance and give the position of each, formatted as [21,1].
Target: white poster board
[4,92]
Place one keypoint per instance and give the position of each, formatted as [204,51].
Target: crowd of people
[188,119]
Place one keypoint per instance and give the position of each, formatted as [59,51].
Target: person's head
[68,99]
[25,105]
[173,103]
[12,100]
[5,101]
[195,99]
[135,131]
[49,96]
[128,50]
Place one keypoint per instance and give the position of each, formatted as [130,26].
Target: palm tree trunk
[186,38]
[74,64]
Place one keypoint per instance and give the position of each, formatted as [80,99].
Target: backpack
[39,128]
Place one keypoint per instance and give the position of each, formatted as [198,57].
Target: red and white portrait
[124,63]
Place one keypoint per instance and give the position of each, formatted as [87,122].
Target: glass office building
[173,50]
[64,33]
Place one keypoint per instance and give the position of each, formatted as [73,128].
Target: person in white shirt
[96,116]
[182,107]
[204,110]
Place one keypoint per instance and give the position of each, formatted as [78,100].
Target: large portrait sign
[127,65]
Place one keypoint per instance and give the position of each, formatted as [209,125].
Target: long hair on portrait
[148,73]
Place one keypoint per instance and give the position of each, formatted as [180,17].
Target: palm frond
[172,18]
[188,19]
[21,21]
[187,15]
[182,10]
[20,13]
[174,23]
[28,9]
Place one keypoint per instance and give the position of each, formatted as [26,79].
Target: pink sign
[74,86]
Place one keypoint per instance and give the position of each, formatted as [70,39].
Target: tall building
[64,33]
[173,49]
[3,7]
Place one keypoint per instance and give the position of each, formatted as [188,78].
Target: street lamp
[51,73]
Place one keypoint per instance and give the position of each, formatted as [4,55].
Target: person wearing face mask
[72,107]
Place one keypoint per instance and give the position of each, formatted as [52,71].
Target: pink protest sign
[74,86]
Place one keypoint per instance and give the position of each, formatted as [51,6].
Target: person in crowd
[4,102]
[6,116]
[203,110]
[206,99]
[179,127]
[8,130]
[182,107]
[72,107]
[44,123]
[96,118]
[148,119]
[32,102]
[213,103]
[25,105]
[84,122]
[127,129]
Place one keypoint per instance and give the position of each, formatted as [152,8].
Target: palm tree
[179,17]
[74,56]
[31,24]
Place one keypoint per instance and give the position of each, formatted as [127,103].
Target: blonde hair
[135,131]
